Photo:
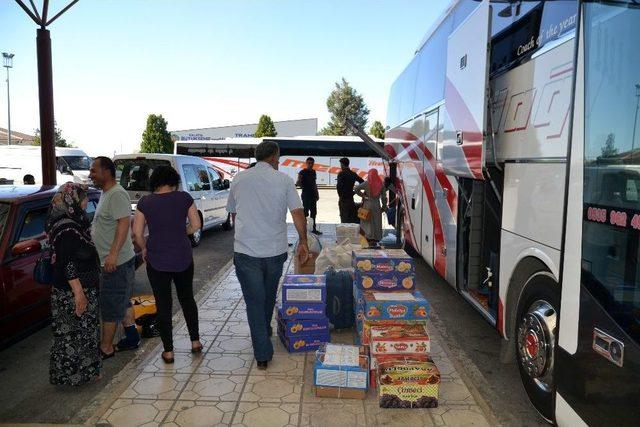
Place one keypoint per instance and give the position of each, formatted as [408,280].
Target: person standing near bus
[346,180]
[310,194]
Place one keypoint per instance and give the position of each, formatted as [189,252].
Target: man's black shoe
[263,365]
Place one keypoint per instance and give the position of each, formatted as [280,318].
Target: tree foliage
[377,130]
[609,150]
[156,138]
[58,139]
[265,127]
[344,101]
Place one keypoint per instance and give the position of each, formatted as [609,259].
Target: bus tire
[535,340]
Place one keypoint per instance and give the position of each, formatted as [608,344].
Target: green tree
[58,139]
[344,101]
[156,138]
[609,150]
[377,130]
[265,127]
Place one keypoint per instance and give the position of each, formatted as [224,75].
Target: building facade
[286,128]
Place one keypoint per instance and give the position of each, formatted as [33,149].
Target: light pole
[635,120]
[7,59]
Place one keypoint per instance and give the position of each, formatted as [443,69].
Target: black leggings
[161,285]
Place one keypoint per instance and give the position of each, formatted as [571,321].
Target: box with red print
[399,340]
[375,305]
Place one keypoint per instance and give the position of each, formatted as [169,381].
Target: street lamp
[635,119]
[7,62]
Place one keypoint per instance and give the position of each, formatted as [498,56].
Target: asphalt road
[475,345]
[25,393]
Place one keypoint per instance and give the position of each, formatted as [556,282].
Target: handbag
[364,214]
[43,270]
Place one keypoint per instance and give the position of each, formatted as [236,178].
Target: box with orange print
[388,270]
[377,305]
[298,327]
[399,340]
[302,310]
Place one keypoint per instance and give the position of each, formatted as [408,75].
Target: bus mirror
[393,171]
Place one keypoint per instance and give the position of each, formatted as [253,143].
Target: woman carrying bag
[75,354]
[374,202]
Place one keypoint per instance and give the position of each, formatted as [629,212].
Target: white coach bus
[514,134]
[232,155]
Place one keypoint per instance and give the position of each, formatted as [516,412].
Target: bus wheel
[536,338]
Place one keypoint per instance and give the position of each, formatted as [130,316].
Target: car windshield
[78,163]
[4,214]
[133,174]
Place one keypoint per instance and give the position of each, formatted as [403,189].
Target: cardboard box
[341,393]
[369,261]
[399,340]
[376,305]
[298,327]
[309,267]
[341,367]
[302,310]
[300,344]
[304,288]
[408,385]
[407,359]
[364,327]
[392,281]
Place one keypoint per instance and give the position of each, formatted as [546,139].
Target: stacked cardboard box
[302,322]
[341,371]
[391,319]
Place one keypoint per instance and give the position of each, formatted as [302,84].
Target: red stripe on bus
[440,261]
[452,197]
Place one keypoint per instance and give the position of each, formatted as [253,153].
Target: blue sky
[206,63]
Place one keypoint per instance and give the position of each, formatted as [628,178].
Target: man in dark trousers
[346,180]
[310,195]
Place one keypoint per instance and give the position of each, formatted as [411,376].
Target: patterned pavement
[222,386]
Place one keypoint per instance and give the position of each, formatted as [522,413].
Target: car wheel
[536,337]
[196,237]
[228,225]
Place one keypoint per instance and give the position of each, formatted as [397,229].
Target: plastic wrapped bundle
[348,232]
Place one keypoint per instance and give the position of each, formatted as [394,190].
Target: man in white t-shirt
[259,200]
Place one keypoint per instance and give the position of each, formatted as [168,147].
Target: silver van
[208,188]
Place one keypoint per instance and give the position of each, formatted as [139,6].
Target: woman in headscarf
[75,354]
[374,199]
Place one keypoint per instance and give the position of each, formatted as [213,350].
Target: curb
[90,414]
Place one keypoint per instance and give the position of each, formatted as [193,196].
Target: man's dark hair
[311,159]
[344,162]
[28,179]
[163,175]
[107,164]
[266,149]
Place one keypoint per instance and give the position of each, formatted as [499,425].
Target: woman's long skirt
[75,354]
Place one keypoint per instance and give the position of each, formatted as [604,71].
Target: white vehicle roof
[156,156]
[60,151]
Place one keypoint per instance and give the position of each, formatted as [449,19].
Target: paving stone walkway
[223,387]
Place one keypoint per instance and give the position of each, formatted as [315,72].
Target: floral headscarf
[65,209]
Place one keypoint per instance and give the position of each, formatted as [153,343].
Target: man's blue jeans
[259,278]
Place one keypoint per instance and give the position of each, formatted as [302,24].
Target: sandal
[106,356]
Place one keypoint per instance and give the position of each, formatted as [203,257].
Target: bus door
[598,357]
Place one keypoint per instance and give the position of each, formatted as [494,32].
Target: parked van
[16,161]
[208,188]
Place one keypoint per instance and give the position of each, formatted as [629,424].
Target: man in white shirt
[258,201]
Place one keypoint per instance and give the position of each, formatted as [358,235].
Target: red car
[25,304]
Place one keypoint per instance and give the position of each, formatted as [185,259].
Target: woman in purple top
[167,251]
